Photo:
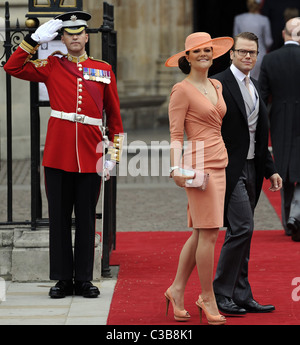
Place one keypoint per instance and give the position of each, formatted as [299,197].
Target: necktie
[247,83]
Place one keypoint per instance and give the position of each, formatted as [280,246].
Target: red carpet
[148,262]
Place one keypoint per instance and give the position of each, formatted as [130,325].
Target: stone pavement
[29,304]
[143,204]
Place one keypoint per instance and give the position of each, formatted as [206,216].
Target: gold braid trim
[29,48]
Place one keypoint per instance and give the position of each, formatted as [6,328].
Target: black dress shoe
[296,236]
[227,306]
[288,231]
[62,289]
[254,307]
[294,225]
[86,289]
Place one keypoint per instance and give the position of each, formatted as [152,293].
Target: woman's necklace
[203,90]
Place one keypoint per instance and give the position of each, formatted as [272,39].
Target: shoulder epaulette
[99,60]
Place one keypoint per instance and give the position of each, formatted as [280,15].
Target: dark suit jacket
[235,132]
[279,78]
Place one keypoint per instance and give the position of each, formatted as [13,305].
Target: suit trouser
[231,278]
[290,202]
[67,191]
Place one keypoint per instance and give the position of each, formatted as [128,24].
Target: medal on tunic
[98,79]
[98,75]
[86,75]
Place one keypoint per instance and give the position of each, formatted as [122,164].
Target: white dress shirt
[241,76]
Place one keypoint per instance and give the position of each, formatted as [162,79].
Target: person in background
[260,25]
[279,83]
[275,11]
[245,132]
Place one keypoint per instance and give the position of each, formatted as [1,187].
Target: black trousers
[67,192]
[231,278]
[290,201]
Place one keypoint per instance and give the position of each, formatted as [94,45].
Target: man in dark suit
[245,133]
[280,80]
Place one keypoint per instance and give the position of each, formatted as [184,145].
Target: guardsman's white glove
[108,166]
[47,32]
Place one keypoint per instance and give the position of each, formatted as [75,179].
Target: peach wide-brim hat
[197,40]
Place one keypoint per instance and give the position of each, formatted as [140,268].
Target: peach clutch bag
[200,180]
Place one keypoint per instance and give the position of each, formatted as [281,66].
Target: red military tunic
[70,146]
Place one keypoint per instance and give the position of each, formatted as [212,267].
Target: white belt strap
[73,117]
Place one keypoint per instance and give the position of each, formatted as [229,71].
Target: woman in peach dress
[197,108]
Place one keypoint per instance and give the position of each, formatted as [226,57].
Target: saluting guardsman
[79,88]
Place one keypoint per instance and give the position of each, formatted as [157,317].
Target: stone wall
[24,254]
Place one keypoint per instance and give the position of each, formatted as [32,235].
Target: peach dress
[193,113]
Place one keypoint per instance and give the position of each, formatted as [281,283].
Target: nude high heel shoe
[211,319]
[179,315]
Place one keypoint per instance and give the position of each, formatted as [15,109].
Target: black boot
[62,289]
[86,289]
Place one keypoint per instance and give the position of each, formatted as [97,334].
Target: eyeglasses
[243,53]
